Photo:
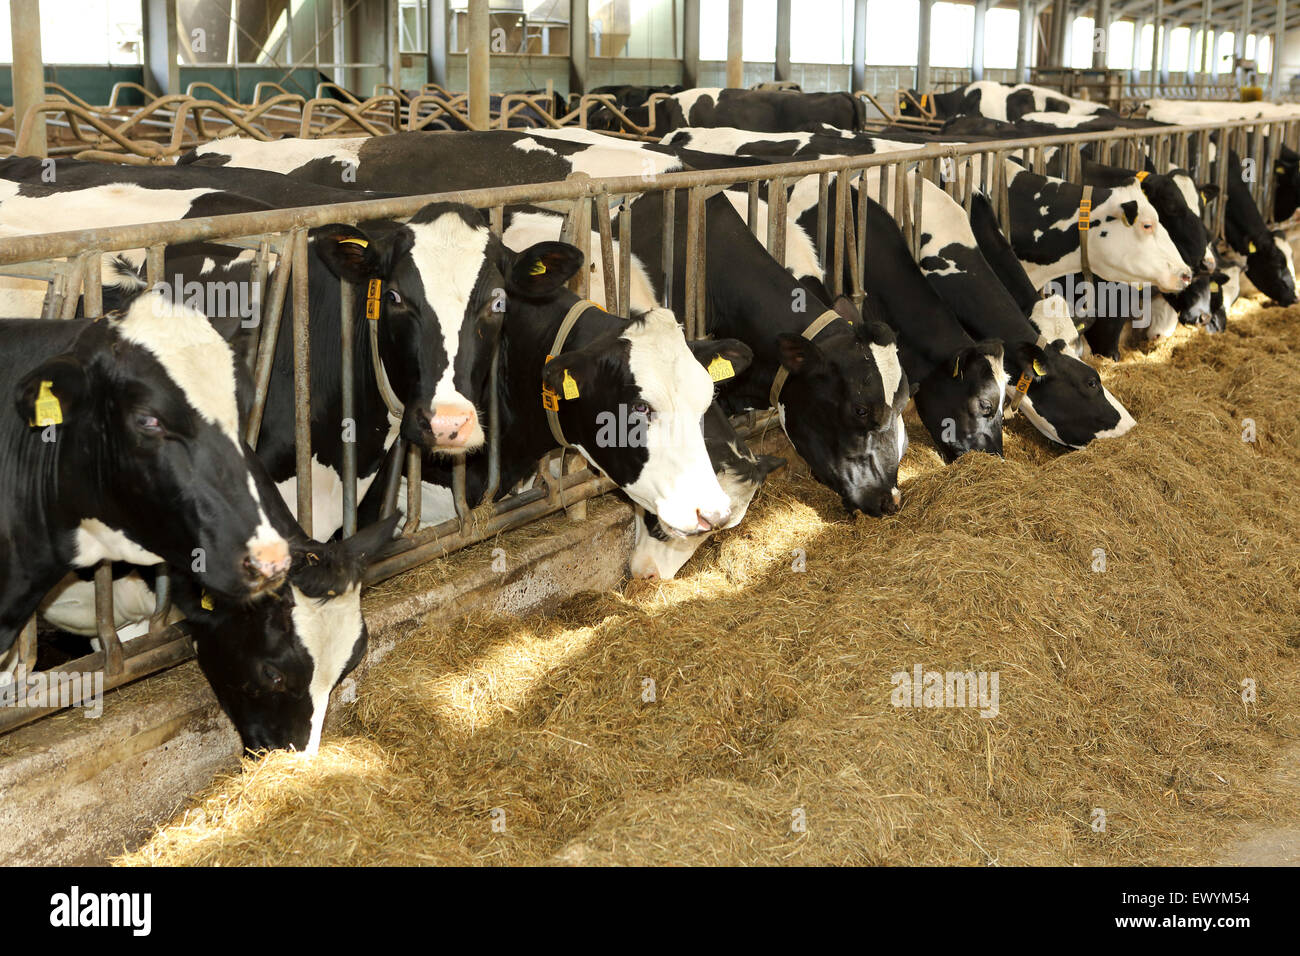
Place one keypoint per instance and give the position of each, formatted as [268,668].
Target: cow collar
[550,399]
[373,291]
[1085,222]
[819,323]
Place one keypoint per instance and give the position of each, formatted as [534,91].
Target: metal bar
[302,381]
[625,257]
[666,251]
[600,210]
[348,401]
[273,311]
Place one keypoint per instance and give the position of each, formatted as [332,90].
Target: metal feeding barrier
[595,211]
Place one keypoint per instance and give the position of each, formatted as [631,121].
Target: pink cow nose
[450,425]
[267,561]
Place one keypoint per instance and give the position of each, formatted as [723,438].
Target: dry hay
[1119,690]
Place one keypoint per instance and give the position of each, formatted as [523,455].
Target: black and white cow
[843,403]
[136,455]
[1266,254]
[773,111]
[630,397]
[997,101]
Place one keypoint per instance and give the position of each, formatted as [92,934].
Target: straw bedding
[769,736]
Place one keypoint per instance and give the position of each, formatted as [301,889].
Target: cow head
[273,664]
[1269,266]
[631,399]
[842,408]
[151,464]
[441,305]
[960,402]
[1066,400]
[1178,204]
[1127,243]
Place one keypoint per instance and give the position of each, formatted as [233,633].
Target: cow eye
[271,677]
[641,408]
[146,423]
[986,408]
[394,297]
[1094,383]
[861,411]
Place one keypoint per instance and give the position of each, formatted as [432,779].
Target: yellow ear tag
[1142,174]
[720,369]
[373,290]
[356,242]
[956,368]
[570,385]
[205,602]
[1214,287]
[1038,369]
[1250,249]
[537,269]
[48,411]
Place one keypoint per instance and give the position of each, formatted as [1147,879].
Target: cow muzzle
[266,564]
[451,427]
[1177,280]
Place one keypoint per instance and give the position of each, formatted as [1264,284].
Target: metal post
[1279,43]
[1157,28]
[162,74]
[859,68]
[735,44]
[1101,21]
[1164,51]
[1239,41]
[1028,19]
[977,42]
[923,48]
[1056,50]
[579,45]
[394,44]
[28,76]
[783,40]
[477,47]
[437,71]
[1135,71]
[690,43]
[338,37]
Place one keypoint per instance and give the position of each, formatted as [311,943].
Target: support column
[977,43]
[28,74]
[162,74]
[782,40]
[735,44]
[923,48]
[579,45]
[1101,21]
[1239,41]
[690,43]
[438,18]
[394,44]
[1279,43]
[478,37]
[1028,17]
[1135,71]
[1157,28]
[1056,49]
[1169,27]
[859,68]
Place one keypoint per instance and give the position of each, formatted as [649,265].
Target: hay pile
[1119,690]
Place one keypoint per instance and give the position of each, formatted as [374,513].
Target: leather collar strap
[550,399]
[373,289]
[1085,222]
[819,323]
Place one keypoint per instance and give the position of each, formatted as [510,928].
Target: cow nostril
[703,523]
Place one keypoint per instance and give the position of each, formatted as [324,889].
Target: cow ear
[350,253]
[1130,211]
[370,540]
[846,310]
[542,269]
[724,358]
[52,393]
[796,354]
[768,464]
[1209,192]
[1030,358]
[568,374]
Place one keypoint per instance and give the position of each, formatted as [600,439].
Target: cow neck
[30,477]
[1065,205]
[736,305]
[527,337]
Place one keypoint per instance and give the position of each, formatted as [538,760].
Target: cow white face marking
[891,370]
[449,254]
[329,630]
[677,481]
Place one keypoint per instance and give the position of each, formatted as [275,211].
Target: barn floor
[742,714]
